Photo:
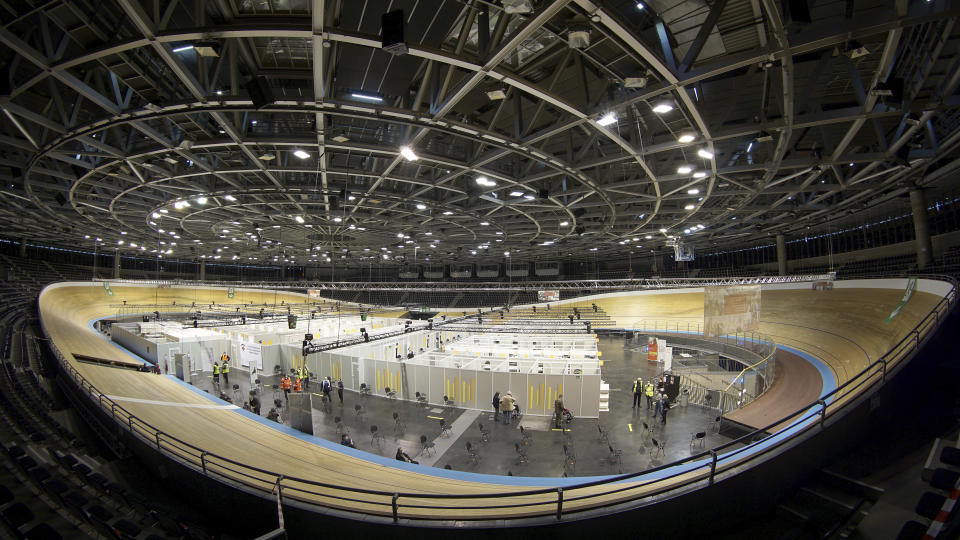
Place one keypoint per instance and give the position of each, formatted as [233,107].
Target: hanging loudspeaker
[260,92]
[796,12]
[392,25]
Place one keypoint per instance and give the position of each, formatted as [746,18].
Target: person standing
[496,406]
[326,387]
[664,407]
[225,370]
[255,404]
[340,390]
[297,385]
[305,375]
[637,392]
[285,386]
[506,407]
[216,373]
[657,406]
[648,391]
[558,412]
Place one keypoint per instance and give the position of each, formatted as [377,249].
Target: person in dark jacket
[340,390]
[402,456]
[637,392]
[496,406]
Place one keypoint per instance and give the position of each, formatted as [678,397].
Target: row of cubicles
[452,369]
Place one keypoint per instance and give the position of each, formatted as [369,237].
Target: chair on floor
[525,438]
[364,390]
[569,459]
[472,454]
[421,399]
[697,438]
[647,430]
[444,429]
[425,445]
[484,434]
[236,393]
[615,458]
[603,434]
[397,424]
[376,439]
[392,394]
[358,409]
[449,402]
[657,449]
[521,454]
[716,424]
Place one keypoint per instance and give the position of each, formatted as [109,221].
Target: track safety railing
[555,503]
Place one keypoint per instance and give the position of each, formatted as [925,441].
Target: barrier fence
[490,503]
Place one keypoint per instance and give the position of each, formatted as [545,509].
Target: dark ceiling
[117,125]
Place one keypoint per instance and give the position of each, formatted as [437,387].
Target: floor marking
[172,404]
[435,417]
[442,444]
[631,427]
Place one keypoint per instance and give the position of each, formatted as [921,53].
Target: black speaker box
[260,92]
[796,12]
[61,200]
[578,212]
[392,37]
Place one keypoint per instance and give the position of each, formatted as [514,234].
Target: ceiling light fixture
[607,119]
[564,223]
[408,153]
[704,153]
[516,194]
[299,219]
[663,107]
[693,191]
[448,213]
[684,169]
[183,48]
[688,207]
[201,200]
[230,198]
[368,97]
[686,138]
[699,174]
[421,207]
[301,154]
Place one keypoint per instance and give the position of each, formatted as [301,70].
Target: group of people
[508,408]
[301,382]
[505,407]
[222,368]
[656,397]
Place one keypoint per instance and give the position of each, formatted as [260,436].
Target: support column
[203,270]
[116,264]
[921,228]
[781,255]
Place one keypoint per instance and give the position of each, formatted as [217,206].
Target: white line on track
[172,403]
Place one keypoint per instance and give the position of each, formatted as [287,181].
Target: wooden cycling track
[843,327]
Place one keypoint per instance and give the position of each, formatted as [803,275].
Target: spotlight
[408,153]
[494,95]
[684,169]
[705,154]
[686,138]
[301,154]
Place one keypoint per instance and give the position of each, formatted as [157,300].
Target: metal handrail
[706,464]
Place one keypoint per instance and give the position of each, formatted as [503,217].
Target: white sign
[250,354]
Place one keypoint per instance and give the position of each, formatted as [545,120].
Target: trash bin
[684,398]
